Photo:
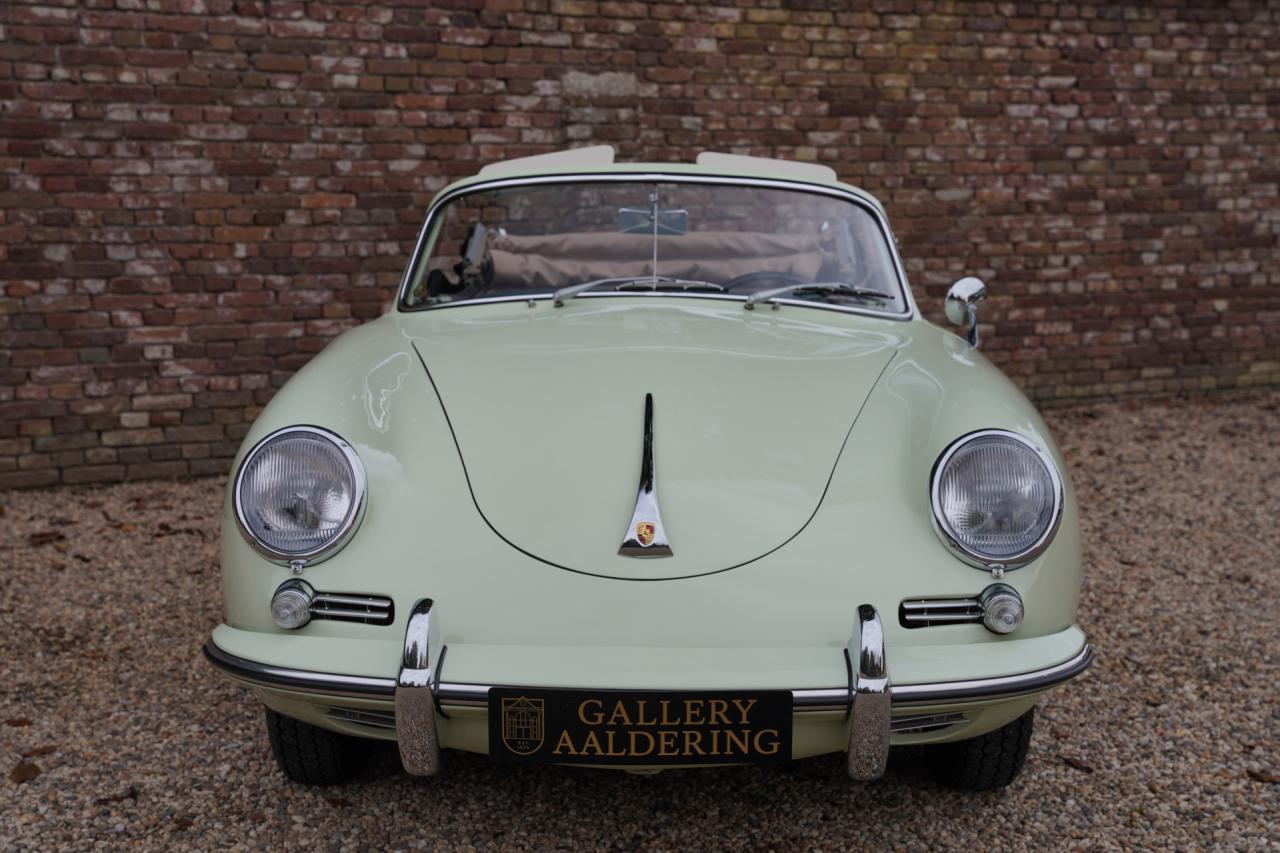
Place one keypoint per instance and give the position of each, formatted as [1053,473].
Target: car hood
[751,411]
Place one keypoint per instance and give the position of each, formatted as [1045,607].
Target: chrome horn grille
[350,607]
[364,716]
[926,612]
[923,723]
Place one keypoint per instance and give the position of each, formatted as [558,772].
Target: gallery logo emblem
[522,724]
[644,532]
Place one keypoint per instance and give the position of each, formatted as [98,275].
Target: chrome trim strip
[943,527]
[302,680]
[991,688]
[943,617]
[823,697]
[803,699]
[646,511]
[349,525]
[342,615]
[939,603]
[669,177]
[380,602]
[463,694]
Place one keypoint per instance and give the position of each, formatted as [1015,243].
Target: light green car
[652,466]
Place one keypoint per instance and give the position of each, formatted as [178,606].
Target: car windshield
[644,237]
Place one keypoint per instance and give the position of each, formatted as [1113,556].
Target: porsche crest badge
[644,532]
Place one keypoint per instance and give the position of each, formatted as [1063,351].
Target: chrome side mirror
[962,305]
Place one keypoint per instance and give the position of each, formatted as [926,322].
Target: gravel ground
[113,731]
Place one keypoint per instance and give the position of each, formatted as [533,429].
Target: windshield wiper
[835,288]
[664,282]
[633,282]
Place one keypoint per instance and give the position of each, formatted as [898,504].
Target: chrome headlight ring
[349,523]
[954,540]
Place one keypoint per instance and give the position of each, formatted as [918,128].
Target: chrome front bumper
[867,699]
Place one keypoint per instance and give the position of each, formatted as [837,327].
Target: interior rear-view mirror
[639,220]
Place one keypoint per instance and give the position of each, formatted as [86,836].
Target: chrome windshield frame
[910,313]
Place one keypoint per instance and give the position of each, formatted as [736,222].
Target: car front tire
[312,755]
[986,762]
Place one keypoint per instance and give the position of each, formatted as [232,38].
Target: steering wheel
[783,278]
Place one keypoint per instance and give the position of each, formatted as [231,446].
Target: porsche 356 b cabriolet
[652,466]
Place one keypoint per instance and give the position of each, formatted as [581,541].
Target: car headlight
[997,498]
[299,494]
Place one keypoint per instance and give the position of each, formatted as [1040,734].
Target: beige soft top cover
[549,261]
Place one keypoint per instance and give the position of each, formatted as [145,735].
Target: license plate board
[642,727]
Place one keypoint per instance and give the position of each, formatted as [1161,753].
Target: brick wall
[195,195]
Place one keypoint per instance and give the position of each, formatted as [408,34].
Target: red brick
[157,470]
[194,201]
[328,200]
[30,479]
[94,474]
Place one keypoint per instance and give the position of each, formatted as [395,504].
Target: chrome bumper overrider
[867,698]
[415,700]
[870,703]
